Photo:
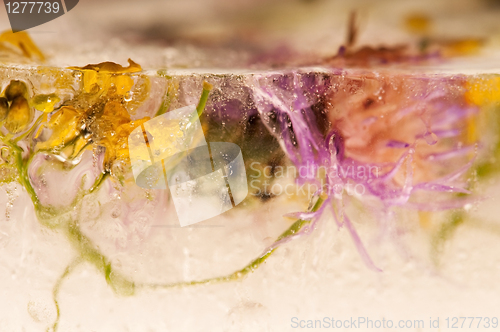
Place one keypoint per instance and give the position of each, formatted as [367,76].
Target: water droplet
[430,138]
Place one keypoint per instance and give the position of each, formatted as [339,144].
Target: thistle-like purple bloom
[396,136]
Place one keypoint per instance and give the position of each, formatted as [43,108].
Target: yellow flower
[105,120]
[111,67]
[108,127]
[483,91]
[111,130]
[22,41]
[64,128]
[19,116]
[103,77]
[45,103]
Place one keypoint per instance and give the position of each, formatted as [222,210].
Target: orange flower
[380,116]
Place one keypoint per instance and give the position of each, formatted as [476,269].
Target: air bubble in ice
[128,96]
[430,138]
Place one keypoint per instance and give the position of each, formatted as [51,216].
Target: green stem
[296,226]
[81,243]
[87,251]
[100,179]
[28,132]
[204,97]
[444,233]
[57,287]
[253,265]
[22,167]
